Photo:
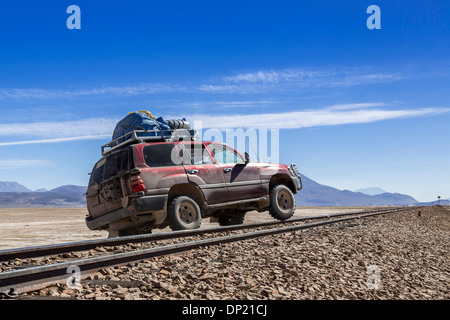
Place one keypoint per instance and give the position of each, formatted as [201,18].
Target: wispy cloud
[295,79]
[258,81]
[54,132]
[22,163]
[342,114]
[124,91]
[62,129]
[313,118]
[55,140]
[352,106]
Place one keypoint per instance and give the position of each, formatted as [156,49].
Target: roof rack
[140,136]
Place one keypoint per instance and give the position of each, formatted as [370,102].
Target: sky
[355,107]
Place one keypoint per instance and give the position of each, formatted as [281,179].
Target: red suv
[141,186]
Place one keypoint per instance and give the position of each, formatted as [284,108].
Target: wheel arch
[187,189]
[281,178]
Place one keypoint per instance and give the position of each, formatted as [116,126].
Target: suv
[142,186]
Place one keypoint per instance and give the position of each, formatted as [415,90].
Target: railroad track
[26,279]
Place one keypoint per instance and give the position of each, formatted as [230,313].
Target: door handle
[193,171]
[226,170]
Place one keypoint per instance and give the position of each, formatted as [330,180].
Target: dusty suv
[143,186]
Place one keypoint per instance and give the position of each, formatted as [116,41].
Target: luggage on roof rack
[140,136]
[142,126]
[141,120]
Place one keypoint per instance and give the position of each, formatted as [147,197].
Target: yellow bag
[146,112]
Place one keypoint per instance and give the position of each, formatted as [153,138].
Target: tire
[231,220]
[183,214]
[282,202]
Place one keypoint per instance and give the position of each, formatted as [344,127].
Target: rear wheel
[282,202]
[183,214]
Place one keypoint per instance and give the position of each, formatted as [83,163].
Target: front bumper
[295,176]
[297,183]
[141,205]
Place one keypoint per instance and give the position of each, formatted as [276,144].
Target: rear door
[243,180]
[114,183]
[95,203]
[202,171]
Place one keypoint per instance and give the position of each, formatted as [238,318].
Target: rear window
[161,155]
[115,163]
[97,172]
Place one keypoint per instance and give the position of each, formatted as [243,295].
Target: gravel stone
[394,256]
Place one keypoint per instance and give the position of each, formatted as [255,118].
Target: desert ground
[43,226]
[395,256]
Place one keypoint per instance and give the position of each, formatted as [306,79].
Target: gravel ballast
[394,256]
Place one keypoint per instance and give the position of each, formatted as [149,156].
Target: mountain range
[15,195]
[371,191]
[315,194]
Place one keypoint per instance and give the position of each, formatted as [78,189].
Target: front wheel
[282,202]
[183,214]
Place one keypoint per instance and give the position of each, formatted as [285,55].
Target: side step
[224,204]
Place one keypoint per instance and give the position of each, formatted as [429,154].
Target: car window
[161,155]
[97,172]
[195,154]
[115,163]
[225,154]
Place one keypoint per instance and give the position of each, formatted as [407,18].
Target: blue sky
[355,107]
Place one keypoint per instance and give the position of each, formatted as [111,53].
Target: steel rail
[53,249]
[29,279]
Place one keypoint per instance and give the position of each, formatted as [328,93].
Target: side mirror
[247,157]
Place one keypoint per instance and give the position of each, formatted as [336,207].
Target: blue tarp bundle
[140,121]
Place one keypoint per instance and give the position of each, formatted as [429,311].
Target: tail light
[137,184]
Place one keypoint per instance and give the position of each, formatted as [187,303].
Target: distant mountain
[7,186]
[41,190]
[41,200]
[371,191]
[315,194]
[69,189]
[312,194]
[14,195]
[445,202]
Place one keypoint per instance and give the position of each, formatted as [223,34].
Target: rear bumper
[141,205]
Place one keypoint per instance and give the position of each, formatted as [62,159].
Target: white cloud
[313,118]
[55,140]
[251,82]
[276,76]
[295,79]
[86,127]
[21,163]
[89,129]
[53,132]
[351,106]
[131,90]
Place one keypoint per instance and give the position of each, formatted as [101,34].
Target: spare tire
[178,124]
